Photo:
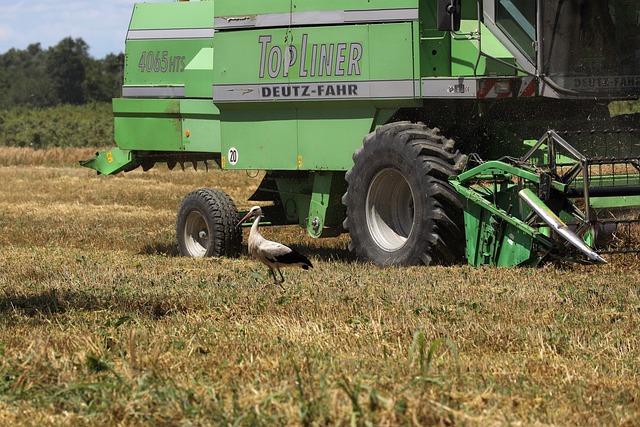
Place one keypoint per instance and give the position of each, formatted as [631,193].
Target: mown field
[102,324]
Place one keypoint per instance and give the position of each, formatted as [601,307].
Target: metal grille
[603,180]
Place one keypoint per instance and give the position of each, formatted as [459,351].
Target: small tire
[401,209]
[206,225]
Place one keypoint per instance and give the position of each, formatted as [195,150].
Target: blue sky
[102,24]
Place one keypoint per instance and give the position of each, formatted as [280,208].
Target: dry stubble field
[101,323]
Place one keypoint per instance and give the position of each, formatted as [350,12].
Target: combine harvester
[374,117]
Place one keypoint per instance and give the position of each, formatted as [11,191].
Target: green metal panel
[614,202]
[491,241]
[199,75]
[493,235]
[172,15]
[264,139]
[289,139]
[231,67]
[391,50]
[162,40]
[112,161]
[161,125]
[306,138]
[233,8]
[464,54]
[382,52]
[326,211]
[311,5]
[288,132]
[147,124]
[160,62]
[435,45]
[329,134]
[200,125]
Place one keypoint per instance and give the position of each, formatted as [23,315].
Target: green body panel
[143,68]
[346,125]
[289,134]
[326,211]
[201,121]
[235,8]
[161,42]
[199,75]
[162,125]
[464,54]
[147,124]
[283,138]
[172,15]
[260,138]
[347,53]
[434,46]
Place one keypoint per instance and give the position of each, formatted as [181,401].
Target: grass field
[102,324]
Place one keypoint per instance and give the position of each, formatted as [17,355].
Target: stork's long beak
[246,217]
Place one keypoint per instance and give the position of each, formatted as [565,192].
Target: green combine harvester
[432,131]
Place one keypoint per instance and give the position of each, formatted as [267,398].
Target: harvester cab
[373,118]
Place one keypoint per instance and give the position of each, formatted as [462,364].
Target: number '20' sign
[232,156]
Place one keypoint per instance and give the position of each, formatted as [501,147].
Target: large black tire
[401,209]
[206,225]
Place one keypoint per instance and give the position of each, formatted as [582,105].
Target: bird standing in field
[272,254]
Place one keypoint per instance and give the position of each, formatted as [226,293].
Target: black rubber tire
[206,225]
[401,209]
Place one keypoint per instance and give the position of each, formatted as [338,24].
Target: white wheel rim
[196,234]
[390,209]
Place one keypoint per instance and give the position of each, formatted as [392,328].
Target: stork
[272,254]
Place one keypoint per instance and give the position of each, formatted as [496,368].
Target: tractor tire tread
[221,209]
[436,160]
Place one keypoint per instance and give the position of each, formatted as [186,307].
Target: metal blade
[556,223]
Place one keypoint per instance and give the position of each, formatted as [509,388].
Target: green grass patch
[101,324]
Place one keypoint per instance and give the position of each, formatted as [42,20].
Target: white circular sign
[232,156]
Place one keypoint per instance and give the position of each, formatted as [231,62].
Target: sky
[102,24]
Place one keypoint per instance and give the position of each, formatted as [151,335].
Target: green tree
[104,78]
[23,79]
[66,65]
[62,74]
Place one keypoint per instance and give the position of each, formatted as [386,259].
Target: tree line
[62,74]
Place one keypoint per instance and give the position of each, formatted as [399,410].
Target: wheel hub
[390,209]
[196,234]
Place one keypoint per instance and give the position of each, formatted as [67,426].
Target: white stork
[272,254]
